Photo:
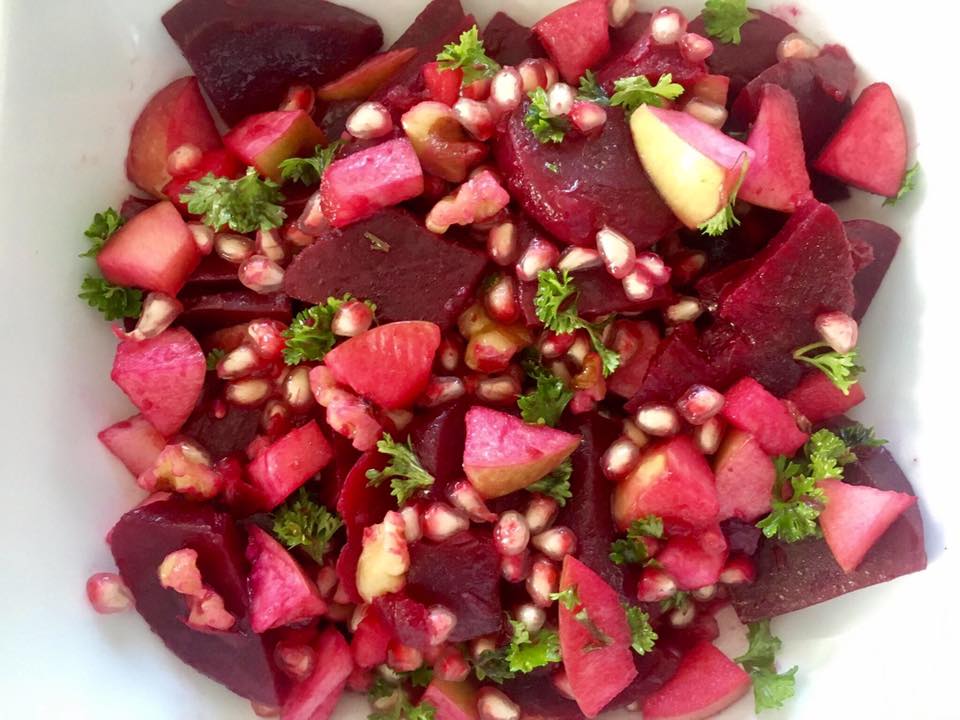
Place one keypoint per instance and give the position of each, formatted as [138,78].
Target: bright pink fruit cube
[818,399]
[750,407]
[695,561]
[135,442]
[316,697]
[856,516]
[576,36]
[359,185]
[154,251]
[289,462]
[267,139]
[745,477]
[162,376]
[370,640]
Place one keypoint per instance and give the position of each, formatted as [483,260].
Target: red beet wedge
[576,37]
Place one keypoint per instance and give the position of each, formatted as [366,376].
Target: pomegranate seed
[502,244]
[580,348]
[477,90]
[158,313]
[544,580]
[658,420]
[275,419]
[700,403]
[707,437]
[500,300]
[587,116]
[108,594]
[637,285]
[266,338]
[203,236]
[238,363]
[619,12]
[532,617]
[403,658]
[312,221]
[370,120]
[797,47]
[686,309]
[440,623]
[296,661]
[541,512]
[556,543]
[684,615]
[499,390]
[838,330]
[551,73]
[560,99]
[637,436]
[579,258]
[667,26]
[708,112]
[582,402]
[183,159]
[465,497]
[653,265]
[494,705]
[296,389]
[261,274]
[353,318]
[441,390]
[705,594]
[506,90]
[532,74]
[555,345]
[248,393]
[511,535]
[412,529]
[297,237]
[695,48]
[475,117]
[233,248]
[268,244]
[399,418]
[440,521]
[562,683]
[540,255]
[618,253]
[299,97]
[326,580]
[655,585]
[264,711]
[620,459]
[448,354]
[451,666]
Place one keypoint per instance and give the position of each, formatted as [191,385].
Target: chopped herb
[377,243]
[243,205]
[636,90]
[396,704]
[570,600]
[309,337]
[421,677]
[556,484]
[641,631]
[841,368]
[301,522]
[546,404]
[633,550]
[676,601]
[544,126]
[213,358]
[468,55]
[114,301]
[522,655]
[405,471]
[910,181]
[724,18]
[552,167]
[856,435]
[493,665]
[591,90]
[309,170]
[101,228]
[770,689]
[725,219]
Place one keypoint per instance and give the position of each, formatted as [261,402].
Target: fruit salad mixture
[481,372]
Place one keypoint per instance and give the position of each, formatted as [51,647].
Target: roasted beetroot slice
[536,694]
[238,658]
[651,60]
[213,274]
[407,619]
[462,574]
[884,242]
[438,436]
[508,42]
[624,38]
[205,312]
[444,273]
[596,183]
[247,56]
[756,52]
[794,576]
[576,36]
[222,436]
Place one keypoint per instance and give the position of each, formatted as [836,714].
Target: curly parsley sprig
[770,688]
[556,484]
[404,471]
[723,19]
[468,55]
[303,523]
[545,404]
[244,205]
[843,369]
[309,170]
[636,90]
[546,127]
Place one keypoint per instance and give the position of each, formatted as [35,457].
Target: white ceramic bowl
[73,76]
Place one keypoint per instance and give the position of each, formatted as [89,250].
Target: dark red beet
[794,576]
[596,183]
[742,537]
[213,275]
[624,38]
[462,574]
[222,436]
[444,274]
[238,658]
[652,60]
[247,55]
[756,52]
[204,313]
[653,670]
[407,619]
[538,696]
[438,437]
[508,42]
[710,286]
[884,243]
[335,114]
[134,205]
[743,241]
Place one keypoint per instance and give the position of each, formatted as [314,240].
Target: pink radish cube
[750,407]
[856,516]
[163,377]
[316,697]
[503,454]
[695,561]
[289,462]
[576,37]
[135,442]
[267,139]
[280,591]
[869,150]
[818,399]
[706,682]
[359,185]
[452,700]
[745,477]
[155,251]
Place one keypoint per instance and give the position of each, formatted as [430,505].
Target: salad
[480,373]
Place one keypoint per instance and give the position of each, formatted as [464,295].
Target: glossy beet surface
[883,244]
[204,312]
[222,436]
[438,437]
[508,42]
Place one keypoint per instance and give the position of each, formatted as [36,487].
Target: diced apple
[478,199]
[371,74]
[370,640]
[175,116]
[712,88]
[154,251]
[706,682]
[503,454]
[576,36]
[289,462]
[452,700]
[869,150]
[777,178]
[694,166]
[367,181]
[673,481]
[818,399]
[135,442]
[749,406]
[745,477]
[267,139]
[163,377]
[316,697]
[856,516]
[695,561]
[441,142]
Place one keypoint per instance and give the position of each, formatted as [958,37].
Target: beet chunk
[462,574]
[624,38]
[421,277]
[742,537]
[205,312]
[884,243]
[599,181]
[438,437]
[652,60]
[653,670]
[508,42]
[756,52]
[794,576]
[537,695]
[407,619]
[222,436]
[213,275]
[247,55]
[237,658]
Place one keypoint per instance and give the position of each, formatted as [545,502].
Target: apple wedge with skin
[695,167]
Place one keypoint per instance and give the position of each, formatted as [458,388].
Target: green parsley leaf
[724,18]
[493,665]
[421,677]
[570,600]
[309,170]
[556,484]
[633,550]
[546,404]
[856,435]
[763,647]
[591,90]
[676,601]
[301,522]
[841,368]
[101,228]
[545,127]
[114,301]
[552,167]
[243,205]
[910,181]
[526,654]
[636,90]
[725,219]
[213,358]
[468,55]
[309,337]
[396,705]
[405,472]
[641,631]
[770,689]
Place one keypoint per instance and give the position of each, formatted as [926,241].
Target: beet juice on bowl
[483,372]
